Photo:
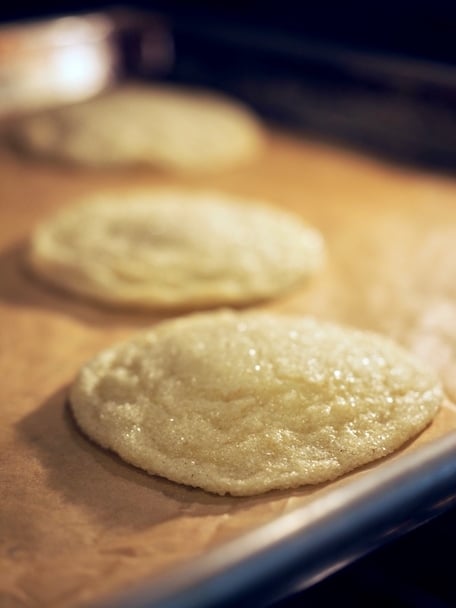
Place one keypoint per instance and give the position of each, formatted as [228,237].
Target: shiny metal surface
[306,544]
[53,62]
[64,60]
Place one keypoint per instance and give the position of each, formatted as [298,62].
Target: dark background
[421,29]
[375,75]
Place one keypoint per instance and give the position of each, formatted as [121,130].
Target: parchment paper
[76,523]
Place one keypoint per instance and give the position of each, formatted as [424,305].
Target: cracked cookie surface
[243,403]
[171,248]
[170,128]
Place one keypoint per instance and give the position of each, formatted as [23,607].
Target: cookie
[171,128]
[243,403]
[174,249]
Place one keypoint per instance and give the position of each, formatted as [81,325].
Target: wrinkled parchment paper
[76,523]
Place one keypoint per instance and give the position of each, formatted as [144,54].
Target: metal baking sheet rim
[307,544]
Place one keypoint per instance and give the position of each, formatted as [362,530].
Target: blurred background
[377,75]
[418,29]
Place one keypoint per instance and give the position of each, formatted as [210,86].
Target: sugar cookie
[171,128]
[174,249]
[243,403]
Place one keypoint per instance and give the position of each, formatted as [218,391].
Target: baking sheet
[76,523]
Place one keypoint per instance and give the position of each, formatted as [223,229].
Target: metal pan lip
[306,544]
